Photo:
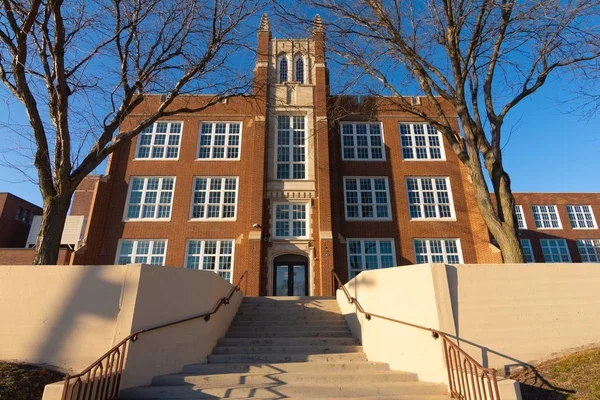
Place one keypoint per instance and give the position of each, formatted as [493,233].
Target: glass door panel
[282,276]
[299,280]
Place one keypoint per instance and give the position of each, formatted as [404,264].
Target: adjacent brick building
[16,216]
[292,183]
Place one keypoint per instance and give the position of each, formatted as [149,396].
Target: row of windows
[546,217]
[208,255]
[363,254]
[556,250]
[222,141]
[298,71]
[24,215]
[217,255]
[215,198]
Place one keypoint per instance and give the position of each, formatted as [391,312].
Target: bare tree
[483,57]
[80,68]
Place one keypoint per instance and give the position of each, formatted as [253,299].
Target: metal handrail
[467,378]
[103,377]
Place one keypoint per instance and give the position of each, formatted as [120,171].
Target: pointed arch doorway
[291,275]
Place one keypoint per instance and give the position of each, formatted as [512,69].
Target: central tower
[297,216]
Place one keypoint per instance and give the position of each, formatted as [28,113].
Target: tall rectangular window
[520,217]
[220,140]
[291,220]
[581,217]
[555,250]
[527,251]
[362,141]
[437,251]
[421,142]
[430,198]
[546,217]
[291,147]
[366,254]
[142,252]
[211,255]
[160,141]
[18,215]
[367,198]
[589,250]
[214,198]
[150,198]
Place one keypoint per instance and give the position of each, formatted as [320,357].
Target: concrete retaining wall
[502,315]
[69,316]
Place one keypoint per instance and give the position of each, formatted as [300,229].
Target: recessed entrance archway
[290,275]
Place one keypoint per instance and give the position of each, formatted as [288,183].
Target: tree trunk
[53,223]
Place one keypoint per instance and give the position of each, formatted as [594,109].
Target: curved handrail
[459,364]
[108,384]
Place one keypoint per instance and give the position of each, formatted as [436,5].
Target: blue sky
[550,150]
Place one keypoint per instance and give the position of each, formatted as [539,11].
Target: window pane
[362,141]
[366,254]
[214,198]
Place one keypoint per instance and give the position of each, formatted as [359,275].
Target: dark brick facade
[13,231]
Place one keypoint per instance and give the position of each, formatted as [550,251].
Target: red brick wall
[13,232]
[561,200]
[468,224]
[25,256]
[84,196]
[107,227]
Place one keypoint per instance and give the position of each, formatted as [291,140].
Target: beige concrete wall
[59,315]
[69,316]
[503,315]
[169,294]
[516,313]
[405,293]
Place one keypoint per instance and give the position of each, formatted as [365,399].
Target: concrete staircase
[292,348]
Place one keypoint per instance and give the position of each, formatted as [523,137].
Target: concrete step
[291,317]
[299,299]
[328,349]
[288,328]
[276,305]
[273,325]
[286,341]
[289,333]
[285,357]
[278,368]
[308,377]
[269,391]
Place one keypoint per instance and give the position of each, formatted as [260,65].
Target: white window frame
[291,220]
[165,145]
[535,207]
[135,246]
[444,253]
[144,190]
[526,244]
[572,212]
[548,242]
[287,59]
[296,58]
[212,141]
[377,253]
[427,147]
[519,213]
[369,147]
[374,204]
[290,147]
[217,255]
[421,203]
[221,204]
[595,246]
